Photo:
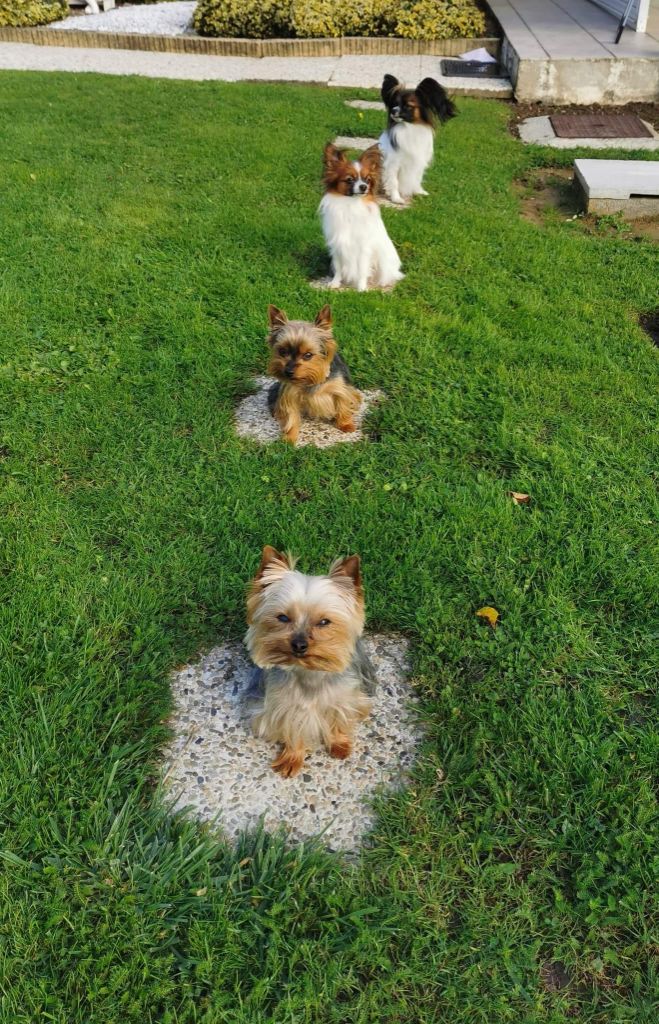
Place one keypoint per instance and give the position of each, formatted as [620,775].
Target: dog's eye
[324,622]
[350,181]
[308,355]
[283,618]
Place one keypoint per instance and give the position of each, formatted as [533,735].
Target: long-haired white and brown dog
[313,682]
[407,144]
[362,253]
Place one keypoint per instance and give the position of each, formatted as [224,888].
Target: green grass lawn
[145,226]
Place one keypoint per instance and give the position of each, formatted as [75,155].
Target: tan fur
[301,355]
[317,699]
[333,400]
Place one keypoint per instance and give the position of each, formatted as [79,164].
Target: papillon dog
[362,253]
[313,680]
[407,143]
[312,378]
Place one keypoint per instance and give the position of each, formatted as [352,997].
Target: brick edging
[356,45]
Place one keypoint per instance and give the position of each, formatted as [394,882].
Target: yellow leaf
[519,498]
[491,615]
[34,177]
[202,891]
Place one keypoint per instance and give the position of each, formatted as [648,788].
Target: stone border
[345,46]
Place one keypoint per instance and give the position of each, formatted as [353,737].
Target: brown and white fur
[312,379]
[362,253]
[407,145]
[313,682]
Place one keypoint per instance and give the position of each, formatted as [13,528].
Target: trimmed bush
[246,19]
[318,19]
[31,12]
[440,19]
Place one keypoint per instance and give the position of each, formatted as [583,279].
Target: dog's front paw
[289,763]
[341,748]
[422,192]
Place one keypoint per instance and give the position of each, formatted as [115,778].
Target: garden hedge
[310,19]
[31,12]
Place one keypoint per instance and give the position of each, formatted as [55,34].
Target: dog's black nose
[289,371]
[362,187]
[299,645]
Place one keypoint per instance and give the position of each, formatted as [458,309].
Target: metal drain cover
[470,69]
[599,126]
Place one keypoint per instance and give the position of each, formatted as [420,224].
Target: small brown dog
[314,681]
[312,378]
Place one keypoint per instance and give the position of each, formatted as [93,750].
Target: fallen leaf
[491,615]
[34,177]
[519,498]
[202,891]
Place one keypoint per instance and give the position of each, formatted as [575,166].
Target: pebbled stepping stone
[357,142]
[253,419]
[217,769]
[365,104]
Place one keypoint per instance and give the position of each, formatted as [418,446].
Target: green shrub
[313,19]
[247,19]
[439,19]
[31,12]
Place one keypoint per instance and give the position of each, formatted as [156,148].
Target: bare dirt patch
[548,197]
[650,324]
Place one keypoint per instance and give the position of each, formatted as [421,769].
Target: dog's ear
[276,317]
[273,565]
[371,161]
[348,567]
[331,155]
[324,319]
[389,84]
[433,96]
[330,349]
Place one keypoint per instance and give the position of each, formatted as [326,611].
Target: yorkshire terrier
[312,378]
[362,253]
[407,143]
[313,682]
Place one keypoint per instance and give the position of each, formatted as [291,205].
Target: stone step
[628,186]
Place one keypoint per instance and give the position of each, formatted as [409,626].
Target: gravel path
[169,19]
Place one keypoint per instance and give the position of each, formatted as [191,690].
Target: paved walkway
[358,71]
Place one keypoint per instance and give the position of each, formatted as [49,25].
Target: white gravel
[169,19]
[254,419]
[217,769]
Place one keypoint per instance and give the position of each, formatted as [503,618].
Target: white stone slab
[217,769]
[618,179]
[358,142]
[254,419]
[365,104]
[538,131]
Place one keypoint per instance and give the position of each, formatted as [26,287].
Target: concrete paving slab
[254,420]
[538,131]
[368,72]
[215,768]
[365,104]
[195,67]
[358,142]
[618,179]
